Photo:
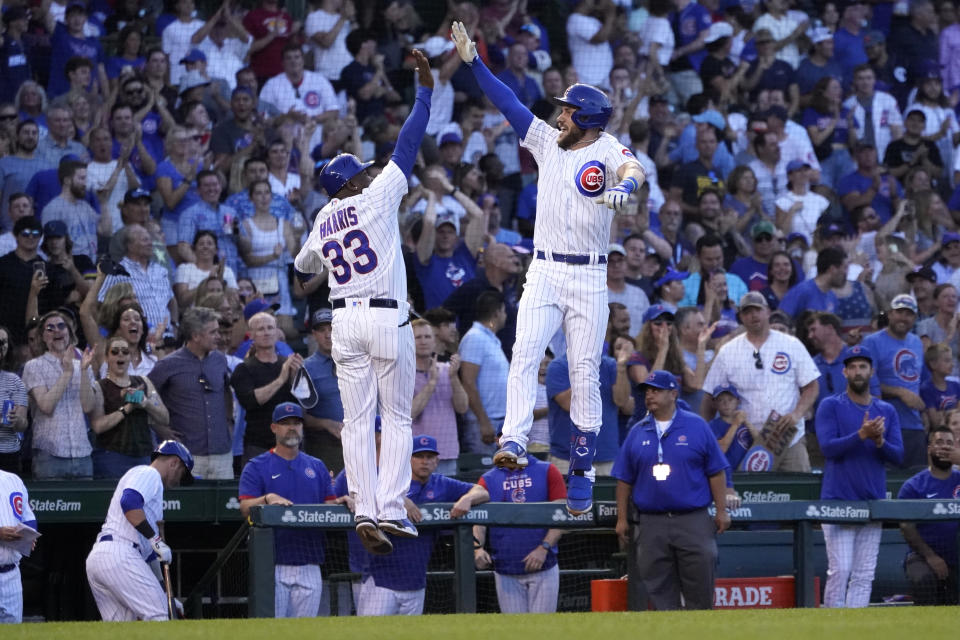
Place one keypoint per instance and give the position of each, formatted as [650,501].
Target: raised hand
[465,46]
[424,76]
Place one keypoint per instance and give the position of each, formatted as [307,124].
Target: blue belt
[373,303]
[7,568]
[109,538]
[569,258]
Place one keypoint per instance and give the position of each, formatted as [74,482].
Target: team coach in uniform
[672,467]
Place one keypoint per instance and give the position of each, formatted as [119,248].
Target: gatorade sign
[757,593]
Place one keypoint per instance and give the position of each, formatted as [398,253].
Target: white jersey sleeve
[539,137]
[616,155]
[14,509]
[146,481]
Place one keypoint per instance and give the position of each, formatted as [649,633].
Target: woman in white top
[190,274]
[263,243]
[657,41]
[282,180]
[799,208]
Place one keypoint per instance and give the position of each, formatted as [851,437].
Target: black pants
[928,589]
[677,554]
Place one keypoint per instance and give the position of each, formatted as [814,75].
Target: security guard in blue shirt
[672,467]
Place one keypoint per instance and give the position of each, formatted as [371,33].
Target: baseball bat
[169,586]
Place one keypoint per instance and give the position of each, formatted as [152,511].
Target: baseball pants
[218,466]
[563,466]
[851,562]
[677,554]
[378,601]
[123,585]
[11,597]
[372,351]
[557,295]
[298,591]
[528,593]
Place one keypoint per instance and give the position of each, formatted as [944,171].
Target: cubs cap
[616,248]
[753,299]
[657,310]
[136,194]
[796,165]
[450,138]
[855,352]
[873,38]
[949,237]
[55,229]
[195,55]
[425,443]
[670,275]
[256,306]
[922,273]
[718,30]
[287,410]
[660,379]
[532,29]
[762,227]
[725,388]
[904,301]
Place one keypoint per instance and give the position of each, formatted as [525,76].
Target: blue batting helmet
[174,448]
[593,108]
[338,172]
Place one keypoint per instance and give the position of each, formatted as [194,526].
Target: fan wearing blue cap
[396,583]
[859,435]
[672,468]
[912,150]
[734,432]
[286,476]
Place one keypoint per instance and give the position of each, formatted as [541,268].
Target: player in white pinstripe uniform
[14,510]
[566,284]
[123,566]
[356,237]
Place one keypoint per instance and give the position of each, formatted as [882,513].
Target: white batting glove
[615,198]
[161,548]
[465,46]
[178,607]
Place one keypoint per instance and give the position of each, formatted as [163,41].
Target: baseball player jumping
[129,544]
[566,284]
[357,238]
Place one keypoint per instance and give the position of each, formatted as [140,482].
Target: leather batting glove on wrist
[161,549]
[615,198]
[465,46]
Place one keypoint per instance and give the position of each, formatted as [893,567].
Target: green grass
[895,623]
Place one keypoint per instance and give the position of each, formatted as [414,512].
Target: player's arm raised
[500,94]
[411,133]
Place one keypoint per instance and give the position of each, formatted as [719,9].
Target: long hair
[793,267]
[114,325]
[111,300]
[648,348]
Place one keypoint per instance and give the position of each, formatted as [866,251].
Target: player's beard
[572,136]
[291,440]
[859,385]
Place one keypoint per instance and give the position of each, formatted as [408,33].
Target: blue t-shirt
[510,545]
[941,536]
[320,369]
[687,25]
[14,67]
[741,443]
[63,47]
[808,74]
[841,130]
[898,363]
[303,480]
[440,276]
[934,398]
[116,64]
[406,568]
[482,347]
[848,52]
[166,170]
[882,202]
[751,271]
[854,468]
[807,296]
[561,426]
[688,448]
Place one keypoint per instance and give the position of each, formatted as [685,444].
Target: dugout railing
[801,516]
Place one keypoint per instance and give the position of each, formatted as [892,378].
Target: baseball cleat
[510,456]
[400,528]
[579,494]
[371,537]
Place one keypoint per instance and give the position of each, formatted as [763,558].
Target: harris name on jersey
[338,220]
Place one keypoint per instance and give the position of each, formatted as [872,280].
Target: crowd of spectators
[158,173]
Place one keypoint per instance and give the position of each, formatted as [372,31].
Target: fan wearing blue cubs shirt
[858,434]
[14,510]
[939,394]
[931,563]
[286,476]
[524,560]
[898,358]
[396,584]
[734,432]
[671,466]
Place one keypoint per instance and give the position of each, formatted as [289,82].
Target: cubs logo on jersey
[781,363]
[907,365]
[757,459]
[590,178]
[627,153]
[16,503]
[312,99]
[744,439]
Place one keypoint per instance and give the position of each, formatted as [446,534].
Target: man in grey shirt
[72,208]
[58,144]
[16,170]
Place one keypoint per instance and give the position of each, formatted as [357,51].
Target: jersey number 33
[355,243]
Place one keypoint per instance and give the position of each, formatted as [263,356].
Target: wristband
[630,184]
[546,545]
[145,530]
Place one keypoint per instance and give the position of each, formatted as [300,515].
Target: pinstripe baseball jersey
[358,240]
[146,481]
[14,510]
[568,219]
